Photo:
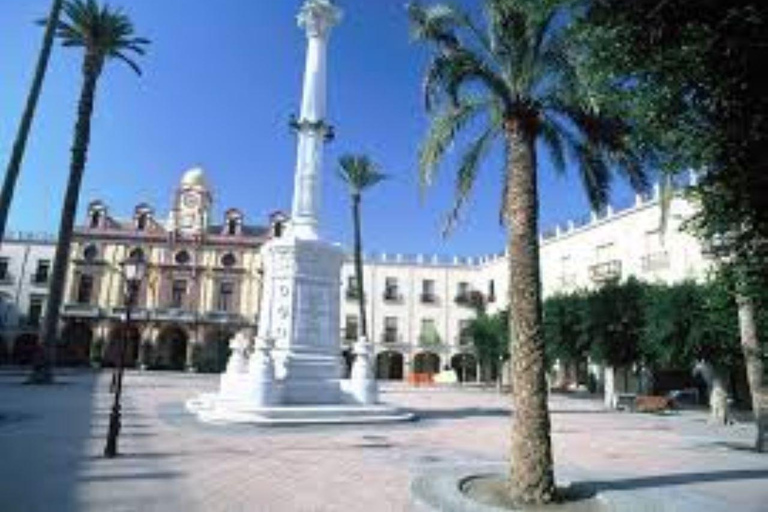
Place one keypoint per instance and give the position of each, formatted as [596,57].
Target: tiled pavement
[51,439]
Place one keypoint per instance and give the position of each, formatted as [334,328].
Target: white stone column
[317,18]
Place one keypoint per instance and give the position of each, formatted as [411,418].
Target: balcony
[464,340]
[137,313]
[81,310]
[655,261]
[223,317]
[429,298]
[393,297]
[429,339]
[350,335]
[39,279]
[391,336]
[352,295]
[174,315]
[606,271]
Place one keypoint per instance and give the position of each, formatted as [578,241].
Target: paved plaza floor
[51,440]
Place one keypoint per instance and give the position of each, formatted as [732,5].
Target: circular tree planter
[483,489]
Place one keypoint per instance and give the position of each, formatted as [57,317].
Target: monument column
[317,18]
[300,296]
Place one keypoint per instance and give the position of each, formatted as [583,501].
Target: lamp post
[134,271]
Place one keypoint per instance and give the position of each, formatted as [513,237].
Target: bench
[624,401]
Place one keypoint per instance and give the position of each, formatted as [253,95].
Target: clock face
[190,200]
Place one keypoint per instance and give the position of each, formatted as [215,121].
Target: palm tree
[104,33]
[359,173]
[515,80]
[20,144]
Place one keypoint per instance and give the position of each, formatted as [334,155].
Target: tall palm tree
[514,80]
[360,173]
[20,144]
[103,33]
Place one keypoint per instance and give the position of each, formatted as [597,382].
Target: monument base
[217,409]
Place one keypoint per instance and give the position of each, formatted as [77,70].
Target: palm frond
[104,31]
[466,175]
[359,172]
[443,131]
[550,137]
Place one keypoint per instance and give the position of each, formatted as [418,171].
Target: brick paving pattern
[51,440]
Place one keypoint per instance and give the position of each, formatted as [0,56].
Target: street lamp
[134,270]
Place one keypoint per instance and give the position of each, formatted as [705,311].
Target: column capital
[318,17]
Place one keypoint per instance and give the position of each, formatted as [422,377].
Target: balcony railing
[606,271]
[81,310]
[351,294]
[393,297]
[174,315]
[223,317]
[39,279]
[429,339]
[655,261]
[137,313]
[391,336]
[429,298]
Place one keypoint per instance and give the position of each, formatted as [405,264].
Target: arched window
[90,253]
[182,258]
[277,230]
[228,260]
[232,226]
[136,254]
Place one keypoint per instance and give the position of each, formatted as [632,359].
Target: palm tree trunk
[359,264]
[20,144]
[750,345]
[92,67]
[531,466]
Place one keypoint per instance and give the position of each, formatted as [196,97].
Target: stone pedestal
[300,311]
[363,387]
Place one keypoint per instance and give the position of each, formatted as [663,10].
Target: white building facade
[417,306]
[205,283]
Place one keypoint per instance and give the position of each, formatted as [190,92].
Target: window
[95,219]
[232,226]
[85,289]
[41,273]
[390,329]
[228,260]
[352,292]
[351,328]
[464,336]
[90,253]
[4,275]
[428,291]
[226,294]
[462,290]
[35,310]
[391,292]
[428,335]
[141,221]
[178,293]
[491,291]
[182,258]
[136,254]
[277,230]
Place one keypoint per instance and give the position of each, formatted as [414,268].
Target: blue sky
[220,82]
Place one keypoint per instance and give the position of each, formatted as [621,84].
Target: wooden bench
[652,403]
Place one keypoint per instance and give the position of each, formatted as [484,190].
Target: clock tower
[192,209]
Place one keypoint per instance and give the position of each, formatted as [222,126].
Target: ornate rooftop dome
[194,177]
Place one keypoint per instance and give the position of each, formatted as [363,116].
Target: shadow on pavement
[647,482]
